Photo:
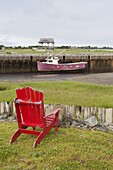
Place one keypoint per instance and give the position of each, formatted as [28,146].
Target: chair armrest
[19,101]
[53,113]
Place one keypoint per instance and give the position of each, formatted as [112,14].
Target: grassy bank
[66,92]
[57,51]
[70,149]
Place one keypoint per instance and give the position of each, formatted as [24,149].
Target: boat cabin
[52,60]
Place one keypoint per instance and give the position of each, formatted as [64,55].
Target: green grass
[57,51]
[70,149]
[65,92]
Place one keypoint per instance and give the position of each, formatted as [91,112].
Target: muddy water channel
[98,78]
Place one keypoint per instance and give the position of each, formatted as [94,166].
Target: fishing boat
[51,64]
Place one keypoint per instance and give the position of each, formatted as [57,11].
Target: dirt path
[98,78]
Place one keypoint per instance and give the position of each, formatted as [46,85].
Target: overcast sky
[69,22]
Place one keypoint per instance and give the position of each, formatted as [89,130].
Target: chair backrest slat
[32,95]
[28,93]
[31,113]
[21,94]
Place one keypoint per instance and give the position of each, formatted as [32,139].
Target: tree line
[57,47]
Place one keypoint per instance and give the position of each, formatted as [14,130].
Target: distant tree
[1,46]
[18,47]
[64,47]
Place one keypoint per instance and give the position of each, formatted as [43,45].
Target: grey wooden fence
[103,115]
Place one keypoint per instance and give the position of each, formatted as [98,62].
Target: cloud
[10,40]
[68,22]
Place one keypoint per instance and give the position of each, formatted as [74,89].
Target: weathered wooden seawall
[69,115]
[14,63]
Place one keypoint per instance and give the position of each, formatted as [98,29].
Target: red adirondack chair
[29,106]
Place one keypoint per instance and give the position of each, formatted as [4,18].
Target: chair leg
[15,136]
[38,140]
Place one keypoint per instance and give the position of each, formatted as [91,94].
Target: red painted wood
[29,106]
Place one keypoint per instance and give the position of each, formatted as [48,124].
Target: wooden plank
[70,111]
[79,114]
[109,115]
[93,111]
[2,107]
[101,115]
[87,112]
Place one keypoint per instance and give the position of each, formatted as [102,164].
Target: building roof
[46,40]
